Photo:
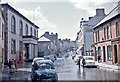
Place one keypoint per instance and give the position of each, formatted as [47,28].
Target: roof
[109,16]
[17,12]
[43,39]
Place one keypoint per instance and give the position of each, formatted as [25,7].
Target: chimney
[90,18]
[47,33]
[119,2]
[100,12]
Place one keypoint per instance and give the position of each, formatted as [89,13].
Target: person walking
[78,63]
[16,66]
[83,62]
[9,65]
[98,59]
[12,66]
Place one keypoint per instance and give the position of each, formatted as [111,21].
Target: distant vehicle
[44,70]
[73,56]
[89,61]
[50,57]
[35,59]
[77,57]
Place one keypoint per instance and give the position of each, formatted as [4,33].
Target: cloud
[89,5]
[39,19]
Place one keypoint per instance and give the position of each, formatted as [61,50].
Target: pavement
[108,67]
[23,70]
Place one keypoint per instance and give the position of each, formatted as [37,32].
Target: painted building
[2,21]
[20,34]
[45,47]
[107,37]
[84,38]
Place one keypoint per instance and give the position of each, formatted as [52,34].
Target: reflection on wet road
[68,70]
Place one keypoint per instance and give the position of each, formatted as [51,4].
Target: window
[21,27]
[31,31]
[13,24]
[96,36]
[20,45]
[117,29]
[108,34]
[105,33]
[26,29]
[2,32]
[35,33]
[109,50]
[13,46]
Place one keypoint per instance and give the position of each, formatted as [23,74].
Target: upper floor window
[31,31]
[35,33]
[13,24]
[105,33]
[96,36]
[108,34]
[26,29]
[117,29]
[21,27]
[2,31]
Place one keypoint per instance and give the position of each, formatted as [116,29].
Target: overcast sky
[60,16]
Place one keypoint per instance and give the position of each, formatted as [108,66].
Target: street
[66,70]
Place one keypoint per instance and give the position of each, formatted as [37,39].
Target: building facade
[85,35]
[107,37]
[20,35]
[45,47]
[2,21]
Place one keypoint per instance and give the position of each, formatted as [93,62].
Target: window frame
[14,46]
[13,24]
[117,29]
[21,28]
[108,32]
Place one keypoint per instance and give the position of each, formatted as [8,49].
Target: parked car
[89,61]
[44,70]
[77,57]
[50,57]
[35,59]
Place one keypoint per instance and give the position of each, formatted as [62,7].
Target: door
[27,51]
[104,55]
[115,53]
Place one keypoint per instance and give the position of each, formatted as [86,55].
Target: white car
[89,61]
[35,59]
[77,57]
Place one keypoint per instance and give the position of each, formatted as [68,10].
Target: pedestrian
[83,62]
[98,59]
[9,65]
[12,66]
[78,63]
[16,66]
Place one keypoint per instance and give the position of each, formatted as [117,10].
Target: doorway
[115,53]
[104,55]
[27,51]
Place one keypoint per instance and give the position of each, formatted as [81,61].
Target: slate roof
[112,14]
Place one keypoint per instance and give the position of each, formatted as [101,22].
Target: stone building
[2,22]
[20,34]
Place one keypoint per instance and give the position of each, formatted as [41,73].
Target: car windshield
[88,58]
[43,66]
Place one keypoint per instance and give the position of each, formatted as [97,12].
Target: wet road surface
[66,70]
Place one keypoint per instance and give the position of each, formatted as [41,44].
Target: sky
[60,16]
